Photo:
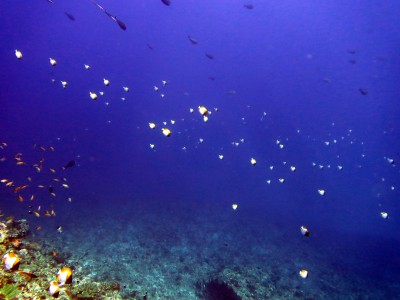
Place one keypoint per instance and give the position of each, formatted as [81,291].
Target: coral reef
[39,267]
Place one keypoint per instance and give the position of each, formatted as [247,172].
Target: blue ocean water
[309,90]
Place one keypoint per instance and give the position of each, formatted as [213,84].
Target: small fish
[71,17]
[16,242]
[54,289]
[303,274]
[166,2]
[59,229]
[18,54]
[202,110]
[114,18]
[19,188]
[304,231]
[70,164]
[192,40]
[11,261]
[10,219]
[253,161]
[93,95]
[363,91]
[210,56]
[27,274]
[64,276]
[166,132]
[152,125]
[53,62]
[20,198]
[248,6]
[234,206]
[390,160]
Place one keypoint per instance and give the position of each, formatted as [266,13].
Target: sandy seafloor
[186,253]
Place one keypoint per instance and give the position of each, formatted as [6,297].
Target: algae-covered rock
[39,266]
[9,291]
[18,229]
[3,233]
[96,290]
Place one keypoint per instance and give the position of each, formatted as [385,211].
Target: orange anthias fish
[27,274]
[16,242]
[19,188]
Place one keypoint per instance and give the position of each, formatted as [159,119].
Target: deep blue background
[275,57]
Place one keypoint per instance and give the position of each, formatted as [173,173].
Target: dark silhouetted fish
[192,40]
[166,2]
[210,56]
[114,18]
[363,91]
[150,46]
[70,164]
[71,17]
[120,24]
[248,6]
